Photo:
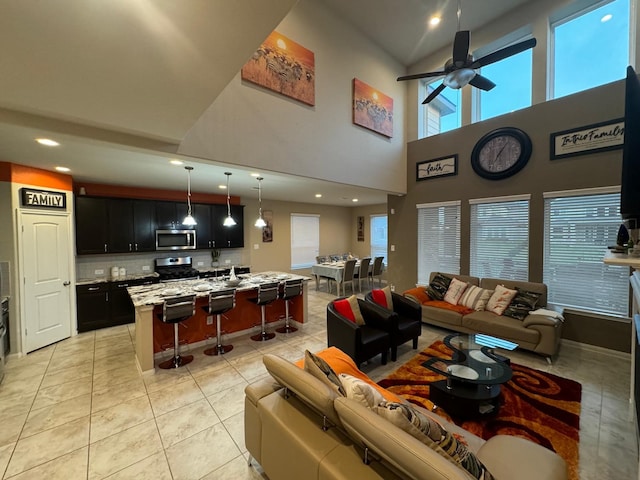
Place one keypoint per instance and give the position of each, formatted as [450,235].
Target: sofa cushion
[500,299]
[340,362]
[441,304]
[432,434]
[310,390]
[320,369]
[382,296]
[455,291]
[501,327]
[361,391]
[541,288]
[349,308]
[419,294]
[522,304]
[438,286]
[475,297]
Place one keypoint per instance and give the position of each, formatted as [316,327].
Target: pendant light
[260,223]
[228,221]
[189,220]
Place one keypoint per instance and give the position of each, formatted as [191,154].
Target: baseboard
[594,348]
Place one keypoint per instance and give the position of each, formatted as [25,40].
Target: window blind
[438,239]
[577,230]
[499,242]
[305,240]
[378,236]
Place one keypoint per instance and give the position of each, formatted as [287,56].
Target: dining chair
[348,276]
[377,269]
[363,272]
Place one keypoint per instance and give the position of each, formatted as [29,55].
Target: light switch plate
[393,248]
[227,262]
[393,211]
[146,268]
[256,246]
[200,264]
[98,272]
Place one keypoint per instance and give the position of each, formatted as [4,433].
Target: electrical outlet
[146,268]
[210,320]
[256,246]
[98,272]
[392,287]
[227,262]
[200,264]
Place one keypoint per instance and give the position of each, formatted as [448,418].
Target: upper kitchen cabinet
[202,212]
[169,215]
[92,225]
[228,237]
[144,225]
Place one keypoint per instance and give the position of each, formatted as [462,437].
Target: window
[578,226]
[438,239]
[442,113]
[378,236]
[512,76]
[305,240]
[500,238]
[590,45]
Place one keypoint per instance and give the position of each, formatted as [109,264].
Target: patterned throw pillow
[349,308]
[360,391]
[432,434]
[383,297]
[500,299]
[320,369]
[522,304]
[438,287]
[475,297]
[455,291]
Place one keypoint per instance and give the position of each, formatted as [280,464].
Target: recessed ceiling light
[222,187]
[318,195]
[47,141]
[254,174]
[354,200]
[435,20]
[63,169]
[176,162]
[606,18]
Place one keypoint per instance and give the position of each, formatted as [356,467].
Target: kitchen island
[152,335]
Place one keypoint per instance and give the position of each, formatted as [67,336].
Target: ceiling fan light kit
[461,69]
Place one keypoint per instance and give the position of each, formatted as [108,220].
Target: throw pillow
[455,291]
[349,308]
[500,299]
[360,391]
[432,434]
[417,294]
[383,297]
[475,297]
[320,369]
[438,286]
[522,304]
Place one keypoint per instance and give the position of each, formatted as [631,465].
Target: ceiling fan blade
[483,83]
[434,94]
[504,53]
[421,75]
[461,48]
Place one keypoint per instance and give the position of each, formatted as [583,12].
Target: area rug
[535,405]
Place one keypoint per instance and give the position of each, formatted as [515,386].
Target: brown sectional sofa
[297,427]
[537,333]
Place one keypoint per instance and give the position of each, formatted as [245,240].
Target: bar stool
[267,293]
[176,310]
[290,289]
[220,302]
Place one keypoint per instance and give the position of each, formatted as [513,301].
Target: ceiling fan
[460,69]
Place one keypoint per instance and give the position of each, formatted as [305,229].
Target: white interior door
[46,273]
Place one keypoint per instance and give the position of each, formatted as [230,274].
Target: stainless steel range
[173,269]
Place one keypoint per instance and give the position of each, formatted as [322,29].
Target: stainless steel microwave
[175,239]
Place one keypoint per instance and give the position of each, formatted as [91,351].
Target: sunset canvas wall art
[372,109]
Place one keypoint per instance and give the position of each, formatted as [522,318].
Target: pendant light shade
[228,221]
[260,223]
[189,220]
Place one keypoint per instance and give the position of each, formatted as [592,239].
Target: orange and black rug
[535,405]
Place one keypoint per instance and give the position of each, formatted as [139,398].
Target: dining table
[334,271]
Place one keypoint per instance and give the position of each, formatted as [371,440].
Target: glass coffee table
[473,375]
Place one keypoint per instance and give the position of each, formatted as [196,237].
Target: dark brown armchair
[360,342]
[408,323]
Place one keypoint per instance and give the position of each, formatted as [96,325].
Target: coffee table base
[466,401]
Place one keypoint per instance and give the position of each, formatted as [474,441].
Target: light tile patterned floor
[79,409]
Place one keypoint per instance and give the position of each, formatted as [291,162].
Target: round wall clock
[501,153]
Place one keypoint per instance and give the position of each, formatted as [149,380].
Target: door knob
[66,284]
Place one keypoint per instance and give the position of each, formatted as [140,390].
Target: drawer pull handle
[93,289]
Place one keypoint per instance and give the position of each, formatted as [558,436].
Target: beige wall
[540,175]
[363,249]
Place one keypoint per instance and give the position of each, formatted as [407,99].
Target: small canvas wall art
[267,232]
[284,66]
[372,109]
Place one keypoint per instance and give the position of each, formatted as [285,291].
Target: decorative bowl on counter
[233,283]
[202,287]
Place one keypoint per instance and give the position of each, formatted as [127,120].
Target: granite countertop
[88,281]
[155,294]
[220,268]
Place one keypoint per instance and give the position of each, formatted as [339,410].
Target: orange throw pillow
[419,293]
[340,362]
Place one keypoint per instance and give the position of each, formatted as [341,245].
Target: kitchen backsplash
[87,265]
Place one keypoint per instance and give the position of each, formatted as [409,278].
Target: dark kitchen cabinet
[106,304]
[120,225]
[92,225]
[204,228]
[144,226]
[228,237]
[169,215]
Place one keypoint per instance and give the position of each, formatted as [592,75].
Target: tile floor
[79,409]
